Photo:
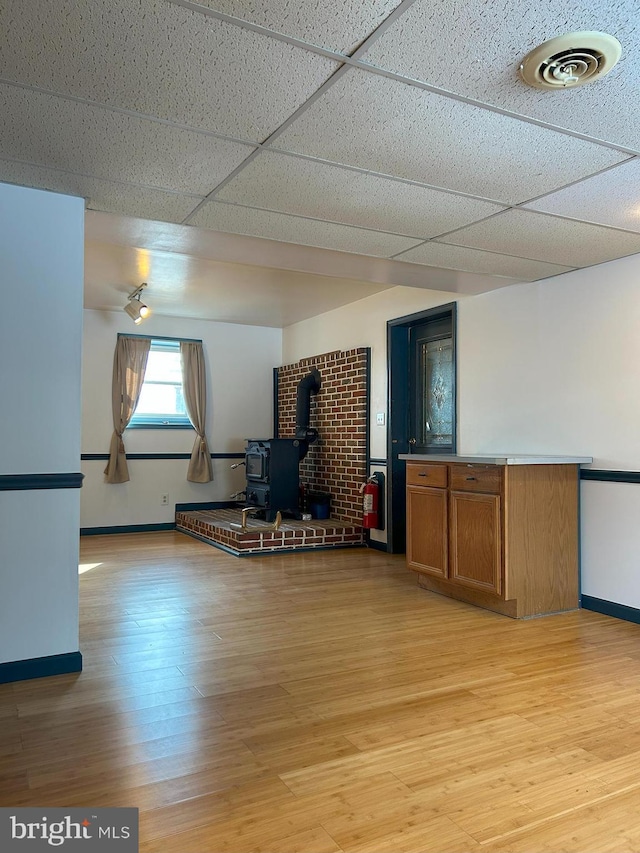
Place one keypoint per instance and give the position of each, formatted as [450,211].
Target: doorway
[421,350]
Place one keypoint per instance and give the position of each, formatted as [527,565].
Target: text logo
[33,829]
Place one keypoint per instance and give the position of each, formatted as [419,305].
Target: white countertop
[512,459]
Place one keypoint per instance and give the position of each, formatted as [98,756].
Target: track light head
[136,309]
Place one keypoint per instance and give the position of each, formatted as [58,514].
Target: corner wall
[240,361]
[41,256]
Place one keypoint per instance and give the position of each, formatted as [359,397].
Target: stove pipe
[306,387]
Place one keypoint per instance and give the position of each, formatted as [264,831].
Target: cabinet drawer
[423,474]
[476,478]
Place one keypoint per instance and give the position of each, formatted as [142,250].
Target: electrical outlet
[380,418]
[164,500]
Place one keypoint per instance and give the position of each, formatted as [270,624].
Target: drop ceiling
[245,153]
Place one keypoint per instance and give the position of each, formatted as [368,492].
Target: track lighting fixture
[136,309]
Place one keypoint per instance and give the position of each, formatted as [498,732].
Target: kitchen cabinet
[475,530]
[427,548]
[497,532]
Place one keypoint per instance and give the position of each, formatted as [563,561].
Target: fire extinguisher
[370,503]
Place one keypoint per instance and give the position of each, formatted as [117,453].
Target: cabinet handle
[470,478]
[422,474]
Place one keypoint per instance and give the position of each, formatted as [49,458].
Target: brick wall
[336,462]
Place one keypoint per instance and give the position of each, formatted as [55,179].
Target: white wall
[240,361]
[41,263]
[611,542]
[547,367]
[551,366]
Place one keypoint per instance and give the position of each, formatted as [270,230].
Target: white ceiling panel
[474,260]
[309,188]
[475,48]
[361,118]
[187,286]
[340,25]
[547,238]
[293,229]
[190,241]
[159,59]
[611,198]
[107,196]
[68,135]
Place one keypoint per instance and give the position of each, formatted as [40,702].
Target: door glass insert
[435,369]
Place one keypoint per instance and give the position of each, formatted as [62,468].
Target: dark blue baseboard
[127,528]
[196,505]
[150,528]
[610,608]
[377,546]
[23,670]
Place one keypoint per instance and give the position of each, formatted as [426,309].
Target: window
[161,402]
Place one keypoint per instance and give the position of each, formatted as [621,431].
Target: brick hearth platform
[214,526]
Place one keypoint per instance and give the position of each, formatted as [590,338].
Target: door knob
[412,441]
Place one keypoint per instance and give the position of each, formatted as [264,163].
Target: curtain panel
[194,387]
[129,366]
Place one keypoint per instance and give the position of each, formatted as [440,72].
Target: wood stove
[273,478]
[272,464]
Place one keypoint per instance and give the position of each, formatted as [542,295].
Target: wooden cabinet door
[427,530]
[476,541]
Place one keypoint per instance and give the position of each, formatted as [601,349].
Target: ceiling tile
[475,49]
[322,191]
[159,59]
[292,229]
[547,238]
[611,198]
[67,135]
[188,240]
[340,26]
[380,124]
[102,195]
[487,263]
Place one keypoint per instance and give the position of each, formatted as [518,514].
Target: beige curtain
[194,386]
[129,365]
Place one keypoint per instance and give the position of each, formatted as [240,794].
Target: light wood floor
[321,702]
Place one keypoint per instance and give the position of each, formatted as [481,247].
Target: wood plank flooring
[322,702]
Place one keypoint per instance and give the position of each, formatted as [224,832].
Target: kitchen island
[497,531]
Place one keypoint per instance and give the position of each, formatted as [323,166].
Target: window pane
[164,366]
[161,397]
[161,400]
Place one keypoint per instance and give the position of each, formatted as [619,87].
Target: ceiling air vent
[570,60]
